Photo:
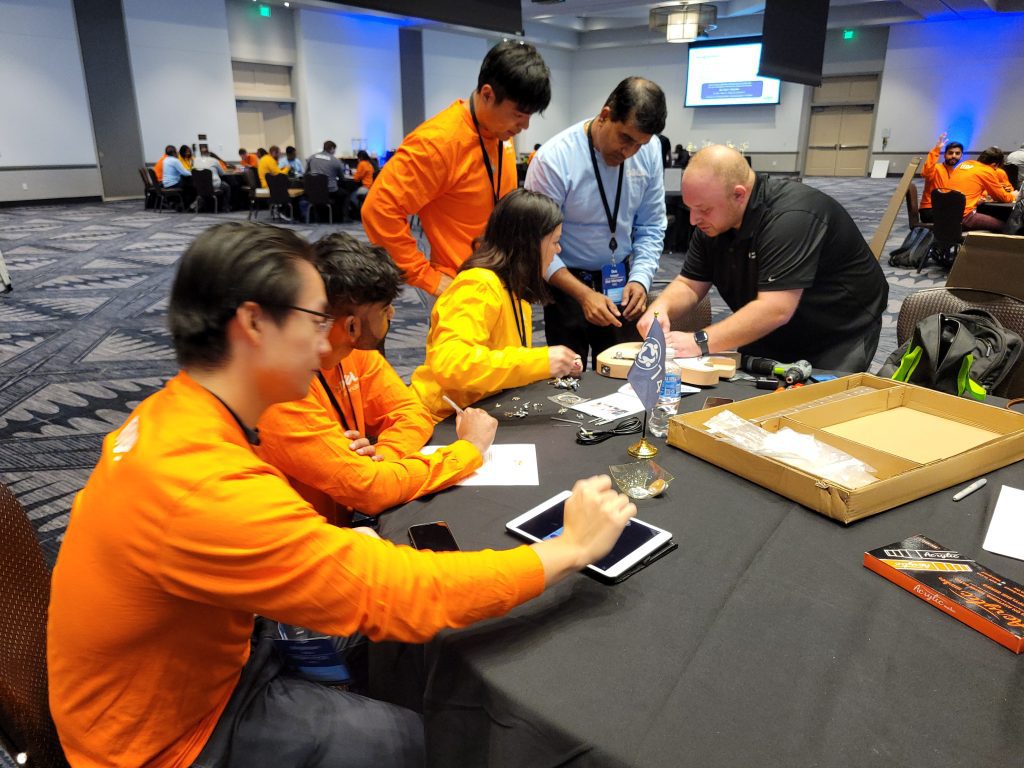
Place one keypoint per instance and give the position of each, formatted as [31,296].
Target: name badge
[613,281]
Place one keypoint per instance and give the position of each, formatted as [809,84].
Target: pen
[451,403]
[970,489]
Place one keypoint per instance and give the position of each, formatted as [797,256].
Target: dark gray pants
[275,718]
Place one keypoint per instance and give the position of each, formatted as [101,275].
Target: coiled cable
[629,426]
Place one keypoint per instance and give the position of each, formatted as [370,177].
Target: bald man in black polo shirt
[788,260]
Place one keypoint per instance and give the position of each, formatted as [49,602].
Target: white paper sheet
[1006,530]
[509,464]
[611,407]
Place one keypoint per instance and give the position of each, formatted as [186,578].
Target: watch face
[701,337]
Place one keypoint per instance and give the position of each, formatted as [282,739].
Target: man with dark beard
[323,442]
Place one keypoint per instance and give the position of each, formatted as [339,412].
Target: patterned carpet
[82,336]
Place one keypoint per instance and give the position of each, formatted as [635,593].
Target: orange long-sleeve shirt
[364,173]
[306,440]
[438,172]
[158,168]
[936,176]
[976,180]
[474,349]
[179,537]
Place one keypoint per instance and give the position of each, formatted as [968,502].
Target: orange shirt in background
[936,176]
[250,161]
[364,173]
[158,168]
[179,537]
[977,180]
[306,440]
[438,173]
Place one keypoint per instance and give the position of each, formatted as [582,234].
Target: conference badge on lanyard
[613,281]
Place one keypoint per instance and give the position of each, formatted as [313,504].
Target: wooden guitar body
[616,361]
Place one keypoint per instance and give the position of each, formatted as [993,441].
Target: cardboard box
[989,262]
[919,441]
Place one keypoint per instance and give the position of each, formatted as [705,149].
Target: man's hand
[634,300]
[682,343]
[594,517]
[362,445]
[600,310]
[367,532]
[562,361]
[443,285]
[477,427]
[941,141]
[643,325]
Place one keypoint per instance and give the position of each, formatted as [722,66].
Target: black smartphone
[436,536]
[714,402]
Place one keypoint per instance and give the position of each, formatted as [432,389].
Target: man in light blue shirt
[174,172]
[291,163]
[607,176]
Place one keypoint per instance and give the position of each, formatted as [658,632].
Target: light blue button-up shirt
[562,170]
[173,172]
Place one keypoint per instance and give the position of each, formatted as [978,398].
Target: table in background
[761,641]
[1000,211]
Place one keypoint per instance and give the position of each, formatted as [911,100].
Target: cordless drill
[791,373]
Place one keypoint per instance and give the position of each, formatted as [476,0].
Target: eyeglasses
[323,325]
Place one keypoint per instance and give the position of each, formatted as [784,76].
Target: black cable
[629,426]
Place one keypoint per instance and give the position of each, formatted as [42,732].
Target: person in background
[185,155]
[607,176]
[291,164]
[787,259]
[936,175]
[529,158]
[322,442]
[1016,158]
[158,166]
[247,159]
[452,170]
[268,165]
[179,178]
[666,151]
[207,161]
[682,156]
[182,536]
[481,331]
[326,163]
[364,175]
[981,180]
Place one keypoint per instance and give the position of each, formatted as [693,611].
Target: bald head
[716,188]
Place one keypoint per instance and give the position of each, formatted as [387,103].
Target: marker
[452,404]
[970,489]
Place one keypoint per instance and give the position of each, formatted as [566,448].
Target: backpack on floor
[966,354]
[911,252]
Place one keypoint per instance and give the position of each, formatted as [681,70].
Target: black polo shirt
[793,236]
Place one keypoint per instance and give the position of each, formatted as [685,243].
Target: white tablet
[638,541]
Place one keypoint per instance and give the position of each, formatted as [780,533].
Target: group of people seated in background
[230,493]
[978,180]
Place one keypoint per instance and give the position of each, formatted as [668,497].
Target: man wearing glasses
[182,535]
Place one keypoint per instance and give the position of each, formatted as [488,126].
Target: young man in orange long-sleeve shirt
[936,175]
[453,168]
[980,180]
[183,534]
[321,442]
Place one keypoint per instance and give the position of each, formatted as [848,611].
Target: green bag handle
[964,382]
[908,364]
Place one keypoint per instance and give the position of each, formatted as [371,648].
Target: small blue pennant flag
[648,369]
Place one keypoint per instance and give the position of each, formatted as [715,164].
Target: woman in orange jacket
[481,332]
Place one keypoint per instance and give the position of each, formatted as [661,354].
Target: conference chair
[948,207]
[281,194]
[203,181]
[150,190]
[26,728]
[697,318]
[914,210]
[317,194]
[163,194]
[1007,310]
[256,192]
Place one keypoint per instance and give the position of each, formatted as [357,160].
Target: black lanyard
[496,188]
[334,401]
[613,218]
[517,311]
[252,434]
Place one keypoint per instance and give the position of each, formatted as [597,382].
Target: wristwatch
[701,337]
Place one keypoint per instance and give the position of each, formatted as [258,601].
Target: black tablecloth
[761,640]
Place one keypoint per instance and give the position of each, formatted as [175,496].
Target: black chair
[278,185]
[26,727]
[317,194]
[913,209]
[948,231]
[203,181]
[150,190]
[1013,174]
[256,193]
[163,194]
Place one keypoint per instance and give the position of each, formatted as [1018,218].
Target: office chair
[318,194]
[26,727]
[203,181]
[279,196]
[1007,310]
[948,206]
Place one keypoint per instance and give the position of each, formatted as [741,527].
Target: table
[1000,211]
[761,641]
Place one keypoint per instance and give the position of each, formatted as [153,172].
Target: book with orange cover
[959,586]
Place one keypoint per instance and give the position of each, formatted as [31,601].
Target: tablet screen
[547,524]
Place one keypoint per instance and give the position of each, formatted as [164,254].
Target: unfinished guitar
[616,361]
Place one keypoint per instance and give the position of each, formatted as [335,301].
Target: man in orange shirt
[247,159]
[980,180]
[321,442]
[182,534]
[453,168]
[936,175]
[158,167]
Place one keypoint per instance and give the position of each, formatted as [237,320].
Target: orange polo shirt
[438,173]
[179,537]
[976,180]
[250,160]
[306,440]
[364,173]
[936,176]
